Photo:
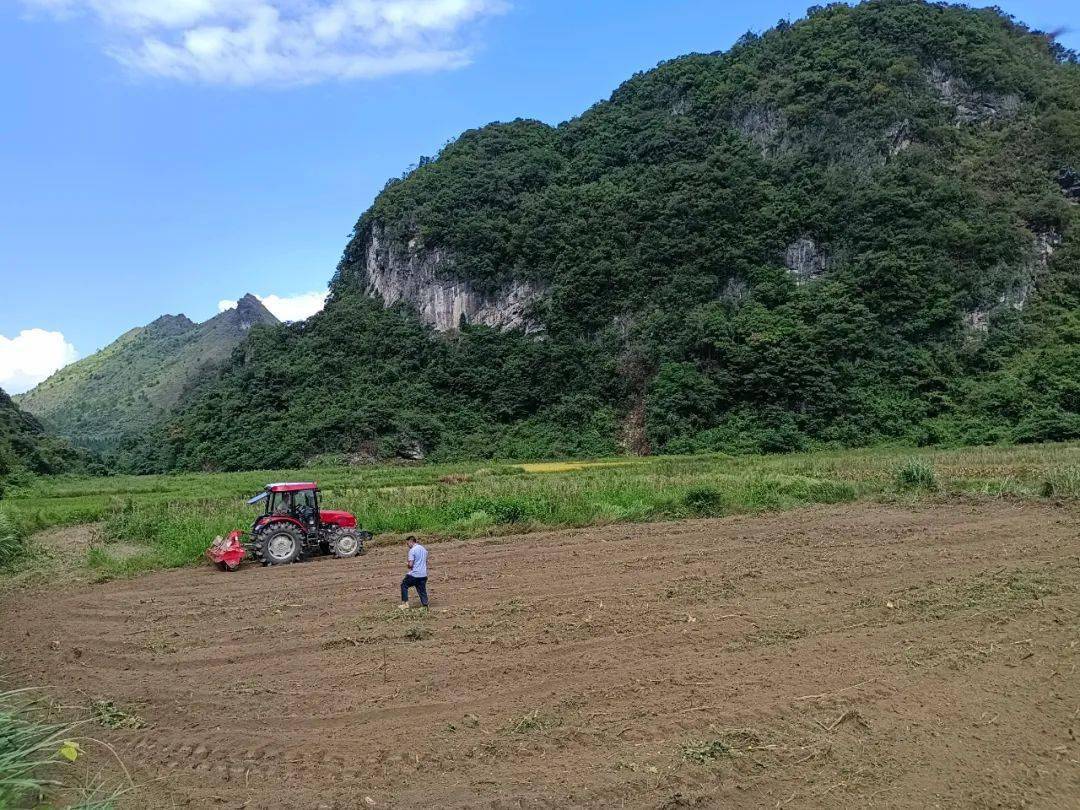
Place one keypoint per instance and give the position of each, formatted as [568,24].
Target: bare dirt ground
[860,655]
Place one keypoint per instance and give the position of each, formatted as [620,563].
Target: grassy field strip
[570,466]
[169,520]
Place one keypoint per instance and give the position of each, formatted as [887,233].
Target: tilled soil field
[861,655]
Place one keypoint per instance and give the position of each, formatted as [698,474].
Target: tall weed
[11,544]
[916,474]
[27,748]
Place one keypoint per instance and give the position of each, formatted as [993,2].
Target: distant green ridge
[97,401]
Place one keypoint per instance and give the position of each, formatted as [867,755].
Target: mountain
[24,447]
[860,227]
[132,382]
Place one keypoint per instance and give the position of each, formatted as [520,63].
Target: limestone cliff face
[424,279]
[766,127]
[970,106]
[1025,281]
[807,260]
[1069,180]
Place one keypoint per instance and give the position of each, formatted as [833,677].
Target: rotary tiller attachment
[227,552]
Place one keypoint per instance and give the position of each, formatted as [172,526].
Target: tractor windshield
[281,503]
[292,503]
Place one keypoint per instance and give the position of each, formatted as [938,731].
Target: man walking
[417,576]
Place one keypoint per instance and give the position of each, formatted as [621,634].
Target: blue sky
[163,155]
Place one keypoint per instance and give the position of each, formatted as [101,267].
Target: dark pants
[420,583]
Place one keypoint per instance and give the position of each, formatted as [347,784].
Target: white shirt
[418,558]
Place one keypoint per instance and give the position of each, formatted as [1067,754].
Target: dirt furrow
[853,655]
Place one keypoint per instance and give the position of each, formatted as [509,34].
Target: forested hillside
[26,450]
[135,381]
[857,228]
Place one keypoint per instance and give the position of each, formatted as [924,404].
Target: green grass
[33,752]
[27,748]
[168,520]
[11,542]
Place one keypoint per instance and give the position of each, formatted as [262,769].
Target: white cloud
[281,41]
[287,308]
[30,357]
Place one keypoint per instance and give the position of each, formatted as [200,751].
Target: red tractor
[291,527]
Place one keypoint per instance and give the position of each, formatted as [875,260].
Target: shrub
[705,501]
[1064,483]
[916,475]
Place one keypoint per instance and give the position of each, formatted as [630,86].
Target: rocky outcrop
[977,320]
[898,138]
[1019,290]
[424,279]
[411,450]
[1017,295]
[806,259]
[734,291]
[1069,180]
[171,325]
[765,126]
[1046,244]
[971,106]
[249,312]
[681,106]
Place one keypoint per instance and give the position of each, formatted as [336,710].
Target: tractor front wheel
[279,543]
[346,543]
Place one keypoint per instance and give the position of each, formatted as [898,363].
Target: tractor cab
[295,502]
[299,503]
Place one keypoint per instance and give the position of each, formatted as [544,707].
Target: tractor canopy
[298,502]
[299,486]
[293,487]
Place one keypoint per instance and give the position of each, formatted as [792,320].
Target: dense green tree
[26,451]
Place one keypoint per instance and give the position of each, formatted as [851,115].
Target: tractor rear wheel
[346,543]
[279,543]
